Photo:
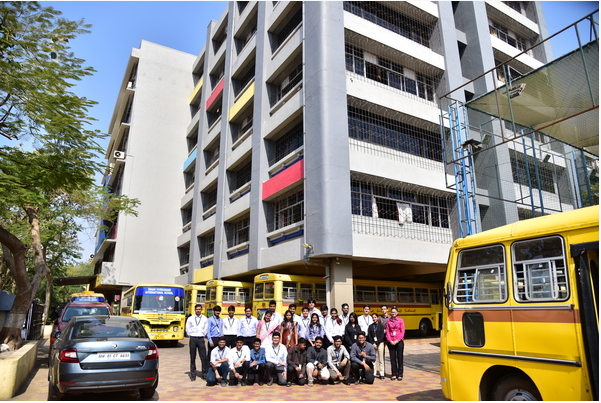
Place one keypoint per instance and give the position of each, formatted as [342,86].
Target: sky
[119,26]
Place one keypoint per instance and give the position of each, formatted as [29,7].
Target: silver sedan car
[103,354]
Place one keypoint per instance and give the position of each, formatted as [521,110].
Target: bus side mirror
[447,296]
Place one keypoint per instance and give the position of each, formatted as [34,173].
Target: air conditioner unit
[119,155]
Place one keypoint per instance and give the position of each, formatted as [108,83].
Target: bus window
[212,294]
[306,291]
[259,291]
[289,290]
[481,275]
[244,294]
[422,295]
[200,297]
[366,293]
[229,294]
[434,300]
[406,294]
[539,269]
[386,294]
[269,290]
[320,291]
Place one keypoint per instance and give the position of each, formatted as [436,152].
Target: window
[229,294]
[244,294]
[286,28]
[289,141]
[473,329]
[422,295]
[354,59]
[372,128]
[386,294]
[212,293]
[392,20]
[406,294]
[209,198]
[516,5]
[212,154]
[259,291]
[242,126]
[286,210]
[306,291]
[525,172]
[365,293]
[289,290]
[207,245]
[540,270]
[241,176]
[186,215]
[289,82]
[434,297]
[385,202]
[320,291]
[238,231]
[269,290]
[481,275]
[241,81]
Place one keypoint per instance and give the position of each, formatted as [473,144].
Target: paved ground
[421,381]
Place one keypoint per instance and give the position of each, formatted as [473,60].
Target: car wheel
[513,387]
[425,327]
[147,393]
[53,394]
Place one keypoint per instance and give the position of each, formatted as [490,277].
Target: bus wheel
[425,327]
[514,388]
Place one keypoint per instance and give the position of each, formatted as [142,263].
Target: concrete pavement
[421,381]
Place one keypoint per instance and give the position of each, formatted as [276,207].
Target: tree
[37,72]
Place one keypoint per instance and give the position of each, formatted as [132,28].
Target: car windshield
[99,328]
[159,299]
[84,311]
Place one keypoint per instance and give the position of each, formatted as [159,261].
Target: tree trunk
[25,288]
[48,297]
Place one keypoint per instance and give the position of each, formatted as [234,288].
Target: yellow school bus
[521,318]
[193,294]
[160,307]
[419,304]
[226,293]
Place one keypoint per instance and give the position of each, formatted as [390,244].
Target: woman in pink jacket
[395,334]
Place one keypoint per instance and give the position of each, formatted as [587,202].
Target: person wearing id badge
[395,335]
[351,330]
[376,337]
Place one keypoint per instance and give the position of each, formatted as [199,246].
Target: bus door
[586,259]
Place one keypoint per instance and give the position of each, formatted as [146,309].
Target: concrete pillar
[341,272]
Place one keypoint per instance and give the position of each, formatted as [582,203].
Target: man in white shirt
[219,364]
[339,361]
[345,313]
[230,327]
[247,327]
[365,320]
[324,318]
[238,360]
[275,357]
[303,324]
[196,329]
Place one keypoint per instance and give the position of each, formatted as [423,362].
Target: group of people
[316,346]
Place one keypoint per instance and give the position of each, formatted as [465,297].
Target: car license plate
[113,356]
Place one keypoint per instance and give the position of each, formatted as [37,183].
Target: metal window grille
[240,83]
[289,141]
[229,294]
[192,141]
[238,231]
[286,210]
[187,215]
[209,198]
[370,127]
[540,270]
[392,20]
[207,245]
[503,34]
[380,207]
[211,155]
[184,255]
[189,177]
[283,33]
[516,5]
[289,82]
[538,174]
[246,124]
[389,74]
[289,290]
[242,176]
[126,118]
[481,275]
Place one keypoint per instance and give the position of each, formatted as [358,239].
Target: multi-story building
[313,140]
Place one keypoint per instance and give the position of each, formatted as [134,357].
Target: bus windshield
[159,299]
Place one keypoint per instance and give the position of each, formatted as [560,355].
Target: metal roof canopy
[560,99]
[74,280]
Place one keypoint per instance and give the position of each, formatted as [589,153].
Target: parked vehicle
[83,303]
[102,354]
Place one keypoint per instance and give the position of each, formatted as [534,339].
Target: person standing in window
[395,336]
[377,339]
